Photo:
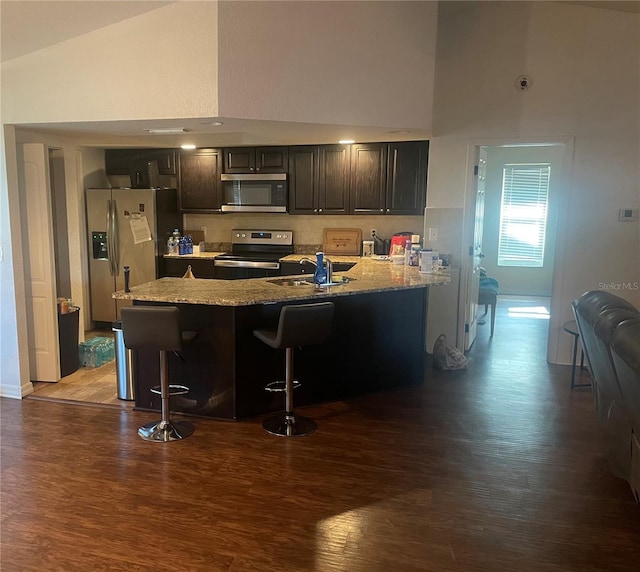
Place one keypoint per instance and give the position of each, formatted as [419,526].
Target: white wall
[160,64]
[584,67]
[353,63]
[14,363]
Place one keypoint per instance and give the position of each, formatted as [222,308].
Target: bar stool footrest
[173,390]
[162,431]
[279,386]
[284,425]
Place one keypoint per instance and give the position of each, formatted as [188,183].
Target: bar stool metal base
[285,425]
[164,431]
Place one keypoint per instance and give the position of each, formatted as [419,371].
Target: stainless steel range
[255,253]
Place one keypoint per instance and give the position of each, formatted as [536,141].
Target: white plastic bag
[445,357]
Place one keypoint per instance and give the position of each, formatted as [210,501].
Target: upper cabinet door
[407,177]
[255,160]
[333,188]
[166,159]
[303,180]
[271,159]
[368,178]
[239,160]
[199,181]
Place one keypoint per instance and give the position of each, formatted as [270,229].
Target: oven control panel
[258,236]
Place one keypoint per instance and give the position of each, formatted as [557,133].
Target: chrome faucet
[327,263]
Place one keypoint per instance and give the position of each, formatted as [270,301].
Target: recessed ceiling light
[166,130]
[346,141]
[188,146]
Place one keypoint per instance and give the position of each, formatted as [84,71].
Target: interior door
[39,265]
[475,252]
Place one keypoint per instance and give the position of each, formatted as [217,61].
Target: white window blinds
[523,214]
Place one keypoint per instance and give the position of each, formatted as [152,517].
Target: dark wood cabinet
[303,179]
[333,188]
[364,178]
[319,179]
[199,187]
[256,160]
[176,267]
[130,161]
[368,178]
[120,161]
[166,159]
[389,178]
[407,177]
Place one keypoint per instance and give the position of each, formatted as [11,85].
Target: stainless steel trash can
[124,365]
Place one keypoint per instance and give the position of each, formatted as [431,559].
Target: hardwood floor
[495,468]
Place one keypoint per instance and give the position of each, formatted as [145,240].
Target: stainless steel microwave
[265,193]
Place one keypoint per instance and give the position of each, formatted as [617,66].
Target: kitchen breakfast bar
[378,340]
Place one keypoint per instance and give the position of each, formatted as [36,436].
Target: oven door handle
[247,264]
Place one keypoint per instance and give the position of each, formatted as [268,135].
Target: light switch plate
[628,215]
[433,234]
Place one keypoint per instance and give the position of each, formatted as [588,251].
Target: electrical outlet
[373,231]
[433,234]
[204,230]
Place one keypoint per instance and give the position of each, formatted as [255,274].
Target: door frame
[468,222]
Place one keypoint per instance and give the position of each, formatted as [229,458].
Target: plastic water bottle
[320,274]
[189,247]
[176,241]
[170,245]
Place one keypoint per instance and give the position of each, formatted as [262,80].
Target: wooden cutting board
[346,241]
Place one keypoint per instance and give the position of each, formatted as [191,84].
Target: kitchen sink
[308,282]
[292,281]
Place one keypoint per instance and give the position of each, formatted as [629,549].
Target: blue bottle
[320,275]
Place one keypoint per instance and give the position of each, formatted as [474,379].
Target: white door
[475,253]
[39,264]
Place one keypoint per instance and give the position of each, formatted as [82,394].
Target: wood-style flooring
[496,468]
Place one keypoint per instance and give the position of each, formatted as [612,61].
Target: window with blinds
[523,214]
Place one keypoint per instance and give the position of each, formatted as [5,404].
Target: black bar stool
[301,325]
[158,328]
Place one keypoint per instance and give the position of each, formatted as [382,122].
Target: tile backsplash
[307,230]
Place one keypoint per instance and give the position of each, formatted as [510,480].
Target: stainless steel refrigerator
[126,227]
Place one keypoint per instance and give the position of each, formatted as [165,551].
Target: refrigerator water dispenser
[99,242]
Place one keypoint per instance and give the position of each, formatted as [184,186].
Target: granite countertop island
[378,340]
[367,276]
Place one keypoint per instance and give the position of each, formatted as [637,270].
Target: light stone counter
[367,276]
[204,255]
